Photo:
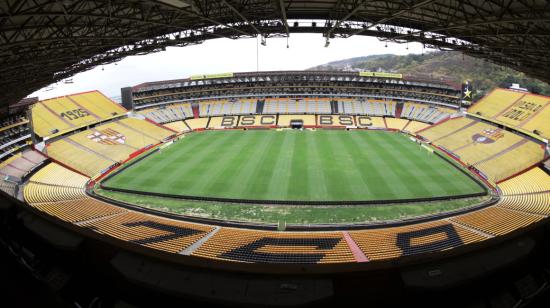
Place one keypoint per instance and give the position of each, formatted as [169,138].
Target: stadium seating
[145,128]
[199,123]
[512,160]
[426,113]
[178,126]
[436,132]
[215,108]
[516,109]
[15,146]
[97,104]
[57,175]
[293,106]
[7,169]
[15,167]
[83,160]
[242,121]
[390,243]
[15,134]
[45,193]
[145,230]
[493,103]
[378,122]
[223,122]
[96,149]
[497,220]
[267,247]
[59,192]
[284,106]
[366,107]
[336,120]
[9,188]
[415,126]
[78,211]
[534,180]
[226,107]
[48,192]
[62,114]
[20,164]
[536,203]
[528,192]
[348,106]
[47,122]
[290,106]
[258,120]
[13,120]
[398,124]
[497,153]
[55,183]
[170,113]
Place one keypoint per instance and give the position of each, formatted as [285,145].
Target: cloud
[224,55]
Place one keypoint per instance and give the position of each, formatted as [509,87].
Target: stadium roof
[45,41]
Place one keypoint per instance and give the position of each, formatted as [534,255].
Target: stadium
[277,188]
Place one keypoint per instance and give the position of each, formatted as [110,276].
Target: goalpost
[422,144]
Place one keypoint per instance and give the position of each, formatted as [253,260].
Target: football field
[321,165]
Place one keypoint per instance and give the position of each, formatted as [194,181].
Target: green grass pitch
[322,165]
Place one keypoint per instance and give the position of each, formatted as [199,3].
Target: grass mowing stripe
[398,174]
[182,176]
[317,177]
[377,184]
[250,175]
[211,165]
[297,186]
[442,173]
[337,188]
[438,184]
[158,165]
[296,165]
[175,157]
[277,184]
[401,166]
[128,177]
[352,178]
[266,174]
[339,170]
[233,168]
[412,165]
[357,160]
[383,173]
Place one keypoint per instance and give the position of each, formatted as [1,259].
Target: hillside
[451,65]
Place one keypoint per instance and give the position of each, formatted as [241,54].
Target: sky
[224,55]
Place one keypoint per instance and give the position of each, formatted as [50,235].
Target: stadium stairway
[196,112]
[260,106]
[385,123]
[398,110]
[406,125]
[334,107]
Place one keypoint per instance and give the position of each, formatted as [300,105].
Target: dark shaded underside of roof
[45,41]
